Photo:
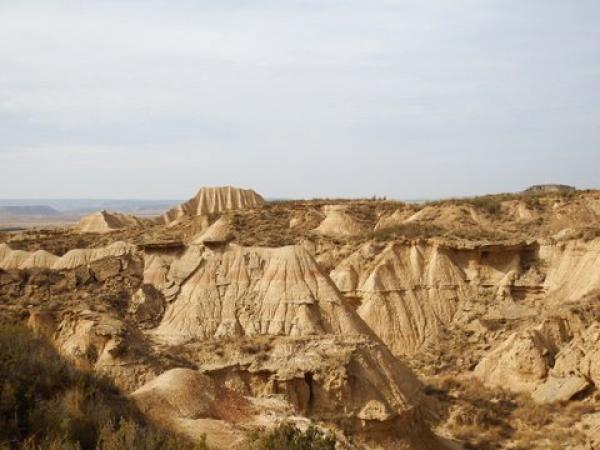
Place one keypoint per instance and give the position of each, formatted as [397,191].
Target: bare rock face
[217,233]
[581,357]
[14,259]
[105,222]
[520,364]
[560,389]
[247,291]
[553,361]
[572,269]
[20,259]
[39,258]
[407,291]
[214,200]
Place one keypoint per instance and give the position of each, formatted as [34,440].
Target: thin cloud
[296,98]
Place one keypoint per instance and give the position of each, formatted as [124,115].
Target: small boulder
[559,389]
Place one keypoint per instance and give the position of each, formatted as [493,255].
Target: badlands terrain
[232,322]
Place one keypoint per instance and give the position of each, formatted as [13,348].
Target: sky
[297,99]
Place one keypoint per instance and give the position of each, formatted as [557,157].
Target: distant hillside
[543,188]
[86,206]
[28,210]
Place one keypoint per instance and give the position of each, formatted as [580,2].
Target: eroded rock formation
[212,336]
[213,200]
[105,222]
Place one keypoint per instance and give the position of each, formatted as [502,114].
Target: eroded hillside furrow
[411,290]
[247,292]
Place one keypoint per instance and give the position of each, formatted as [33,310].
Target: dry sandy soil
[466,323]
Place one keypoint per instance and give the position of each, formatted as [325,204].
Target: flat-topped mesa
[213,200]
[544,188]
[105,222]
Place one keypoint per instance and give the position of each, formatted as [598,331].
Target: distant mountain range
[76,207]
[29,210]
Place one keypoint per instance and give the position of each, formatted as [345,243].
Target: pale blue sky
[409,99]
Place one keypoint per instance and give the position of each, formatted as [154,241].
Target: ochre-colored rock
[252,291]
[211,336]
[105,222]
[214,200]
[338,223]
[217,233]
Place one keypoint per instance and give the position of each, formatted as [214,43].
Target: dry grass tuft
[489,419]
